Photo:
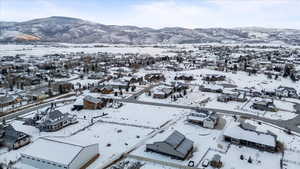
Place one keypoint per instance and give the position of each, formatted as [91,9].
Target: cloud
[162,13]
[22,10]
[217,13]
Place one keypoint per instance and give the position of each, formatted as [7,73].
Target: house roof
[6,99]
[52,150]
[285,88]
[175,139]
[263,102]
[56,114]
[92,99]
[179,142]
[235,131]
[11,135]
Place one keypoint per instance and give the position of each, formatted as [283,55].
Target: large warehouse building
[50,154]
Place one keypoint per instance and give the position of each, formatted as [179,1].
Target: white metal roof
[55,151]
[235,131]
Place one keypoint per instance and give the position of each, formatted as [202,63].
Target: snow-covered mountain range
[73,30]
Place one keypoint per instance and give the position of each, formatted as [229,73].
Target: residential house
[211,88]
[246,134]
[227,97]
[213,77]
[55,120]
[92,103]
[7,100]
[285,91]
[264,105]
[103,89]
[184,77]
[12,138]
[162,92]
[176,145]
[119,84]
[203,118]
[62,87]
[38,95]
[154,77]
[99,75]
[136,79]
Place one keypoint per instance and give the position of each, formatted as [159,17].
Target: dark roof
[6,99]
[55,114]
[175,139]
[11,135]
[179,142]
[248,126]
[286,87]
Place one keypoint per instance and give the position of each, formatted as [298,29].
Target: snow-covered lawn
[137,114]
[128,162]
[38,50]
[112,139]
[203,139]
[260,160]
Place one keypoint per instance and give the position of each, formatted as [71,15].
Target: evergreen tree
[249,160]
[242,157]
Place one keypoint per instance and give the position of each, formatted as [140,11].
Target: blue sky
[161,13]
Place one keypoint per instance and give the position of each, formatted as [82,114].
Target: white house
[50,154]
[247,135]
[205,119]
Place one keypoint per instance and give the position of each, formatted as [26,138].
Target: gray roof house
[176,146]
[203,118]
[264,105]
[55,120]
[12,138]
[285,91]
[6,100]
[247,135]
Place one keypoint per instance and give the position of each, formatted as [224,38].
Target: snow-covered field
[203,140]
[39,50]
[260,160]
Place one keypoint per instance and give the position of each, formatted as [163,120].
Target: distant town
[179,106]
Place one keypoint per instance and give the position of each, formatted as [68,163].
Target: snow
[39,50]
[260,160]
[119,137]
[58,152]
[234,131]
[203,139]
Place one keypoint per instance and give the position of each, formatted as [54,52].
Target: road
[31,109]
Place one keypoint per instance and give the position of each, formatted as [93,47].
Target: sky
[162,13]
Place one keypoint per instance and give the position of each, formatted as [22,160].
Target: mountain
[73,30]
